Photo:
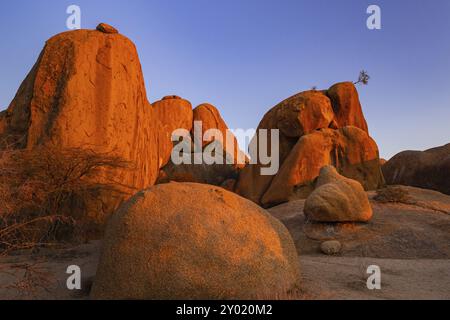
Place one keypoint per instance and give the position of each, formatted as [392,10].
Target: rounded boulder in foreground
[194,241]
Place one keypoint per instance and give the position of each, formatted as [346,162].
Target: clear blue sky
[244,56]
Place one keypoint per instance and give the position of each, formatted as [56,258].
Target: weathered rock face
[87,91]
[347,108]
[251,183]
[300,114]
[3,123]
[192,241]
[428,169]
[5,138]
[349,149]
[210,118]
[173,113]
[204,172]
[295,116]
[214,174]
[16,118]
[317,128]
[337,199]
[106,28]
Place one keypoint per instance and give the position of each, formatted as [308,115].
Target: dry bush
[45,192]
[30,279]
[363,78]
[392,194]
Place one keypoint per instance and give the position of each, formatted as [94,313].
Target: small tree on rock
[363,78]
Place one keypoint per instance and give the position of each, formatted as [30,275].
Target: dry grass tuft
[392,194]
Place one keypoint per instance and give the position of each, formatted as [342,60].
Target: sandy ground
[408,241]
[324,277]
[346,278]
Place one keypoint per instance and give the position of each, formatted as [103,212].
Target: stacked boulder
[316,129]
[197,169]
[337,199]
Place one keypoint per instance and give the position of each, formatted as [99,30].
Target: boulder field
[407,237]
[199,231]
[87,91]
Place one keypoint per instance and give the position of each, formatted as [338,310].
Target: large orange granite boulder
[87,91]
[209,117]
[347,108]
[194,241]
[300,114]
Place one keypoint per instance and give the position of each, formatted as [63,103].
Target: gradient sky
[245,56]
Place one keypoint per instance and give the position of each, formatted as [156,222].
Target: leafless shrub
[392,194]
[44,193]
[29,279]
[363,78]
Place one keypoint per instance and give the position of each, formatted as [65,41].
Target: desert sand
[408,241]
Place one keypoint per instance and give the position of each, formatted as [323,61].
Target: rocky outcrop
[3,123]
[349,149]
[428,169]
[87,90]
[214,174]
[316,128]
[192,241]
[300,114]
[197,168]
[346,106]
[397,230]
[210,118]
[337,199]
[172,113]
